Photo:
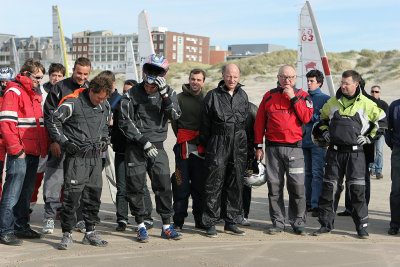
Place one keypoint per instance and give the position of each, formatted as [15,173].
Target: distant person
[118,141]
[26,140]
[314,156]
[223,134]
[280,118]
[188,178]
[392,138]
[54,175]
[56,74]
[80,125]
[145,111]
[6,75]
[377,165]
[345,124]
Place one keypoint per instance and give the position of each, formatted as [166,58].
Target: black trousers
[340,164]
[187,180]
[137,165]
[82,180]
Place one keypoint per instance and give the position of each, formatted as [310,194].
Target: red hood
[26,83]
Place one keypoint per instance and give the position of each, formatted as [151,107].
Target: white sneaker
[245,222]
[48,226]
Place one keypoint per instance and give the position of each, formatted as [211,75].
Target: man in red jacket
[280,117]
[21,124]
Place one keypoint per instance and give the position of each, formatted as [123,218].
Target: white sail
[311,51]
[14,55]
[59,49]
[131,70]
[146,46]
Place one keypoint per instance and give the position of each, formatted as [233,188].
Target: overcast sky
[344,25]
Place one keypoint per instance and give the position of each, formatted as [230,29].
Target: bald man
[281,115]
[223,133]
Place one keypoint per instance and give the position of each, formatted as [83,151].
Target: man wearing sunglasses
[21,124]
[377,165]
[281,116]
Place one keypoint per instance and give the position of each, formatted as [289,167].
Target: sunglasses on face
[37,77]
[375,92]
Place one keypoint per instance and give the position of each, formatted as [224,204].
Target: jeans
[17,193]
[377,165]
[314,160]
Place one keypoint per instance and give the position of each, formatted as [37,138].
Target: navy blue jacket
[318,99]
[392,135]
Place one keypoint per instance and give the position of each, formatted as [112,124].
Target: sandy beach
[257,248]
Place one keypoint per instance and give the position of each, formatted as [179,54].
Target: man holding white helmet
[145,110]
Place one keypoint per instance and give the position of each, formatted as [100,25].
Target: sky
[344,24]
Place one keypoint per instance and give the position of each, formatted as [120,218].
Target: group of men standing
[211,152]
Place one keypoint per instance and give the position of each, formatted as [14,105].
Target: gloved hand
[326,136]
[104,145]
[150,150]
[71,148]
[162,86]
[362,140]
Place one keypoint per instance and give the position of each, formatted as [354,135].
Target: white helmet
[255,174]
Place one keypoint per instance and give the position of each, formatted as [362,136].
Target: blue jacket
[392,135]
[318,99]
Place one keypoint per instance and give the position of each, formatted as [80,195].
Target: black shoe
[211,231]
[121,227]
[300,231]
[178,227]
[315,212]
[321,231]
[11,240]
[309,208]
[275,230]
[200,226]
[28,234]
[344,213]
[393,231]
[233,230]
[362,233]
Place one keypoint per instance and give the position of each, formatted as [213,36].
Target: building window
[97,49]
[79,48]
[109,57]
[103,49]
[155,46]
[154,37]
[161,46]
[103,57]
[80,40]
[121,57]
[97,57]
[174,56]
[73,56]
[85,48]
[74,48]
[109,49]
[174,47]
[161,37]
[174,38]
[115,57]
[200,50]
[115,48]
[201,41]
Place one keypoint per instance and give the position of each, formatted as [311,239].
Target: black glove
[104,145]
[71,148]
